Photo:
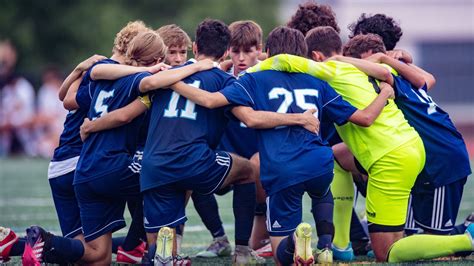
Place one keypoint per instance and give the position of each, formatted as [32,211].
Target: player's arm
[201,97]
[166,78]
[371,69]
[409,73]
[296,64]
[77,73]
[429,78]
[116,71]
[400,54]
[115,118]
[264,119]
[367,116]
[69,101]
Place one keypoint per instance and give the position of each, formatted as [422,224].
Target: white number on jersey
[424,97]
[99,106]
[300,96]
[188,112]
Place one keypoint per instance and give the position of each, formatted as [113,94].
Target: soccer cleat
[265,251]
[324,256]
[181,261]
[470,233]
[244,255]
[133,256]
[219,247]
[303,251]
[469,219]
[7,239]
[164,247]
[36,237]
[346,254]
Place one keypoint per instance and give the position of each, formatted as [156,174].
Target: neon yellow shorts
[390,181]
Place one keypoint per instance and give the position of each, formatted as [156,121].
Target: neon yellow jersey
[368,144]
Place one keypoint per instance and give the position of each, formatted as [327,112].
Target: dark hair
[323,39]
[363,43]
[380,24]
[284,40]
[245,34]
[311,15]
[212,38]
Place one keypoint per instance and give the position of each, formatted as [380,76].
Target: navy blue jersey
[182,135]
[447,159]
[239,139]
[70,143]
[110,151]
[290,155]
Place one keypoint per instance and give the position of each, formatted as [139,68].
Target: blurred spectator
[51,113]
[16,106]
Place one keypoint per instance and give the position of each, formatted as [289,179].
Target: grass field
[25,199]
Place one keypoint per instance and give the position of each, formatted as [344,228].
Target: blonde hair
[146,49]
[126,35]
[173,35]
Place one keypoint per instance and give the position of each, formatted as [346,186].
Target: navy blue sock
[63,250]
[18,247]
[136,232]
[179,229]
[207,208]
[458,229]
[357,232]
[322,209]
[286,250]
[116,242]
[244,208]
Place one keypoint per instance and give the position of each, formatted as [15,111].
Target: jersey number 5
[299,95]
[99,106]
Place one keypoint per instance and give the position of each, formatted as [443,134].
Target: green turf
[25,199]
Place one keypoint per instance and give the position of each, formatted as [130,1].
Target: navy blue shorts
[102,202]
[285,207]
[165,205]
[66,204]
[435,209]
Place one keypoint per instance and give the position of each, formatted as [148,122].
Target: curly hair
[146,49]
[126,35]
[311,15]
[363,43]
[380,24]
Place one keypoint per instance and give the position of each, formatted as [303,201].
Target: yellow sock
[343,192]
[419,247]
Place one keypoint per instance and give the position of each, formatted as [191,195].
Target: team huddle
[149,129]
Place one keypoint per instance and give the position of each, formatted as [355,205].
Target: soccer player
[396,162]
[178,43]
[438,190]
[302,156]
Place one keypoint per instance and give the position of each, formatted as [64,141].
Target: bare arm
[76,74]
[429,78]
[202,97]
[264,119]
[366,117]
[116,71]
[166,78]
[69,101]
[371,69]
[113,119]
[399,54]
[409,73]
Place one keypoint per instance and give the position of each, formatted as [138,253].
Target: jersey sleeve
[240,92]
[135,85]
[296,64]
[335,108]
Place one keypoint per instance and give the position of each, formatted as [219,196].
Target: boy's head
[178,43]
[126,35]
[245,44]
[323,42]
[311,15]
[146,49]
[380,24]
[364,45]
[212,39]
[285,40]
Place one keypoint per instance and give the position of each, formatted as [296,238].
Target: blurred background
[42,41]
